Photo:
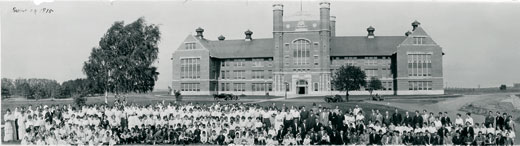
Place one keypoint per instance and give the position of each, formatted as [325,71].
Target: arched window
[301,51]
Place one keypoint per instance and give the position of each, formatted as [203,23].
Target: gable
[189,40]
[419,33]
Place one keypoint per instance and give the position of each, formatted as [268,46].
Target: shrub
[80,100]
[503,87]
[242,95]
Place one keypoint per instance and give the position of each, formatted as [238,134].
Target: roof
[340,46]
[364,46]
[256,48]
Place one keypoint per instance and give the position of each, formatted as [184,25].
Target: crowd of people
[247,124]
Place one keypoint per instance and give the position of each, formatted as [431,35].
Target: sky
[480,39]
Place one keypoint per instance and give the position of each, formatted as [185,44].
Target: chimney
[408,33]
[221,38]
[199,33]
[325,15]
[333,26]
[248,34]
[415,24]
[277,17]
[370,31]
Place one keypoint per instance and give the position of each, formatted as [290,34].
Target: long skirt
[9,131]
[21,130]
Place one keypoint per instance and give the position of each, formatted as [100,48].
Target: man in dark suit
[220,139]
[396,117]
[379,137]
[468,130]
[304,114]
[445,119]
[312,118]
[419,139]
[317,125]
[490,119]
[372,137]
[417,119]
[442,132]
[407,120]
[457,139]
[499,121]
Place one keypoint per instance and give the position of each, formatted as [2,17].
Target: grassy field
[478,91]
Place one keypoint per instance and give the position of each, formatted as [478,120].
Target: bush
[242,95]
[503,87]
[80,100]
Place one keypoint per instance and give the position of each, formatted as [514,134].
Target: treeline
[45,88]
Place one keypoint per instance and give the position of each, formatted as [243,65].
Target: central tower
[302,50]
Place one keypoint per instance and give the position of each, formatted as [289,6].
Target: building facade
[301,58]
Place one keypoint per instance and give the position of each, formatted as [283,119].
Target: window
[301,52]
[270,86]
[418,40]
[386,72]
[190,68]
[270,74]
[387,85]
[226,74]
[420,85]
[239,74]
[190,87]
[371,60]
[239,86]
[257,62]
[239,62]
[269,62]
[258,74]
[225,86]
[316,60]
[258,86]
[371,72]
[419,65]
[315,87]
[190,46]
[350,61]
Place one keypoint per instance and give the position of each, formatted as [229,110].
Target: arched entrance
[301,86]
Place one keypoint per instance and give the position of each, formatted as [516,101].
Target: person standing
[490,119]
[9,126]
[21,124]
[499,121]
[396,117]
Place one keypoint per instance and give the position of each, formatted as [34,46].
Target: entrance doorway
[301,90]
[302,85]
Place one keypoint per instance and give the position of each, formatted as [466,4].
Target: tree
[503,87]
[348,78]
[374,84]
[123,62]
[76,87]
[7,87]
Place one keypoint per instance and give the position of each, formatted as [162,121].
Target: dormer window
[418,40]
[190,46]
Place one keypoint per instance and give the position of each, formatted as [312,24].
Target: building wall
[403,78]
[391,69]
[205,73]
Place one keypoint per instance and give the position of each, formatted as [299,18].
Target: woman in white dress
[21,124]
[9,126]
